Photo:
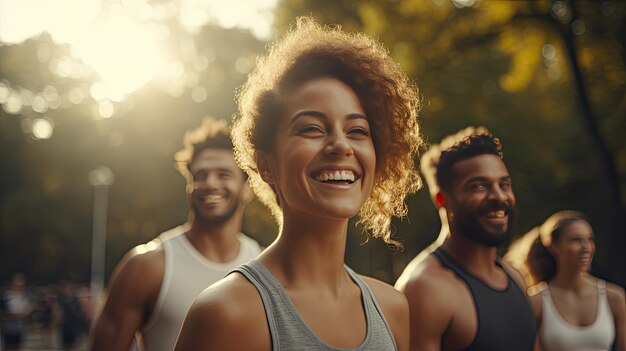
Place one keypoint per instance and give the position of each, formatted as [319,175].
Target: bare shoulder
[414,267]
[430,278]
[432,292]
[435,297]
[140,266]
[221,312]
[136,282]
[385,294]
[615,290]
[131,296]
[616,296]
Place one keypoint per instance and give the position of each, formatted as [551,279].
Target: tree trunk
[615,214]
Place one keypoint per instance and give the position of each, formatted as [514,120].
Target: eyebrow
[321,115]
[480,179]
[216,169]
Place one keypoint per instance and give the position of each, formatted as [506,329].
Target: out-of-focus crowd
[52,317]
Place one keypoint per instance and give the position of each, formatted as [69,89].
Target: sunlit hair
[478,143]
[391,103]
[430,159]
[530,254]
[211,134]
[517,255]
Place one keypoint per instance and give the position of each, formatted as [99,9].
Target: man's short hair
[211,134]
[479,143]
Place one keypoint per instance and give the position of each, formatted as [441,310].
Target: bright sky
[122,39]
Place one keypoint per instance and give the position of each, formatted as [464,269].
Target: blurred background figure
[574,309]
[15,308]
[428,166]
[73,316]
[43,317]
[153,287]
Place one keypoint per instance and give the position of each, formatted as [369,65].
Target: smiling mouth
[212,199]
[500,214]
[335,176]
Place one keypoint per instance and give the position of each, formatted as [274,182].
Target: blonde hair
[391,102]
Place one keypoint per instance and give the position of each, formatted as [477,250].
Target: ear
[440,201]
[263,164]
[247,194]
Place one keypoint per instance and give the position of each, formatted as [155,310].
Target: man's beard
[468,225]
[215,219]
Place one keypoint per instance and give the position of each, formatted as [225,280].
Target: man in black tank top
[462,297]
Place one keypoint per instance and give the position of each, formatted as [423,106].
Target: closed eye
[310,129]
[359,130]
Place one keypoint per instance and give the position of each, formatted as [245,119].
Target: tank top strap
[447,261]
[601,287]
[288,330]
[266,290]
[374,315]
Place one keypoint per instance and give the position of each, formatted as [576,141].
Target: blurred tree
[547,76]
[45,196]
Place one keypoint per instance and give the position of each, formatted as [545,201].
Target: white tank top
[186,274]
[559,335]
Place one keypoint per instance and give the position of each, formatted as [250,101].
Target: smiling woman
[327,129]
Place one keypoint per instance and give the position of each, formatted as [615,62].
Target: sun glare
[123,41]
[125,54]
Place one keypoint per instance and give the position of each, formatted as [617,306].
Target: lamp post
[101,179]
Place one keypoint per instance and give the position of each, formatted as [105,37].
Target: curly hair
[391,102]
[478,143]
[430,159]
[211,134]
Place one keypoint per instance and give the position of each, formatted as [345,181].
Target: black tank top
[505,319]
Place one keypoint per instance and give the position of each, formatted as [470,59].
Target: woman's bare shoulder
[221,312]
[616,296]
[385,294]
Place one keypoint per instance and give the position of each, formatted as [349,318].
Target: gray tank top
[288,330]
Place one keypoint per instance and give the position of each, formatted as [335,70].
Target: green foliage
[45,196]
[503,64]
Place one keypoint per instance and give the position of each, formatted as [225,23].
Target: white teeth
[496,214]
[209,199]
[335,175]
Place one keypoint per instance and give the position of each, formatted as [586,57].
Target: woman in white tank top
[575,310]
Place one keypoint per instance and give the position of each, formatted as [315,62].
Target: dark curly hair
[391,102]
[211,134]
[479,143]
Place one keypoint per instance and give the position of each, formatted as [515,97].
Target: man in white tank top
[154,285]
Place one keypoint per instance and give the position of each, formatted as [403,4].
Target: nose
[586,245]
[338,145]
[498,194]
[209,182]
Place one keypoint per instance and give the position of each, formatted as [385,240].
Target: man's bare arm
[428,311]
[134,285]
